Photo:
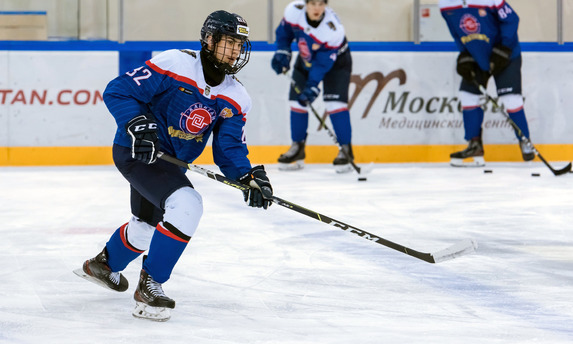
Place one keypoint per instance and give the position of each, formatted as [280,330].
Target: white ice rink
[250,276]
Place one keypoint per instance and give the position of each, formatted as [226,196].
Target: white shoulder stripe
[182,67]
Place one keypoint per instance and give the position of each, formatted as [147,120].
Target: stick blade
[461,248]
[366,169]
[564,170]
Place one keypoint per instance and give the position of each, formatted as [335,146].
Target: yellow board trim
[62,156]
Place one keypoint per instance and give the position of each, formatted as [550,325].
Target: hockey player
[485,32]
[323,56]
[175,102]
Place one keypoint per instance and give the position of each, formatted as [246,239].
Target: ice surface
[276,276]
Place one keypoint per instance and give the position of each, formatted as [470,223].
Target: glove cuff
[136,119]
[284,52]
[502,51]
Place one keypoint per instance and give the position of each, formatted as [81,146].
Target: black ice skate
[97,271]
[150,300]
[342,162]
[293,159]
[472,156]
[526,151]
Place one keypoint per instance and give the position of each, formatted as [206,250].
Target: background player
[175,102]
[485,32]
[323,56]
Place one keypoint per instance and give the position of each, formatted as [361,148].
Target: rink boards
[403,105]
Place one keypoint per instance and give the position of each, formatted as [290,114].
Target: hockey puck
[487,171]
[535,174]
[362,179]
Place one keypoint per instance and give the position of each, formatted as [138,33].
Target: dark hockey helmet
[325,1]
[221,23]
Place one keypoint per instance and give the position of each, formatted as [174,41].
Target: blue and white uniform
[323,57]
[318,46]
[478,26]
[171,88]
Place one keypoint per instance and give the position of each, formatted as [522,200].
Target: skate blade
[144,311]
[80,272]
[343,168]
[293,166]
[476,161]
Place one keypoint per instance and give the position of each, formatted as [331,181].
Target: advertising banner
[411,98]
[54,99]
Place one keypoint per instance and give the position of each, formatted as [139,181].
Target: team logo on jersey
[196,119]
[183,135]
[226,113]
[469,24]
[303,50]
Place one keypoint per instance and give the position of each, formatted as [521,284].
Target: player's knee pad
[183,210]
[296,107]
[335,106]
[139,233]
[512,102]
[469,100]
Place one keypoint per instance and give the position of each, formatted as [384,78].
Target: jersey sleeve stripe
[233,103]
[501,4]
[194,84]
[174,76]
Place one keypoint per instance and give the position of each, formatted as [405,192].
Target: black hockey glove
[261,190]
[467,67]
[281,61]
[308,95]
[144,141]
[469,70]
[500,58]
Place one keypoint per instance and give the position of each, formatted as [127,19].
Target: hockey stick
[522,137]
[323,125]
[456,250]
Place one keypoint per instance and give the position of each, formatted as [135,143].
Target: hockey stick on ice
[522,137]
[456,250]
[330,133]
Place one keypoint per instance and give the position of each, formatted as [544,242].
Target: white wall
[181,20]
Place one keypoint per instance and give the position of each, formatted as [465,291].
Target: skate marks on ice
[276,277]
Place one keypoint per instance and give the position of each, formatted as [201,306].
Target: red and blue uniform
[171,87]
[324,57]
[477,27]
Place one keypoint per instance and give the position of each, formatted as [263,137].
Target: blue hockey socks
[120,251]
[519,118]
[167,245]
[473,118]
[298,125]
[342,127]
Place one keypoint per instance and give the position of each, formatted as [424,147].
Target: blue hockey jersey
[318,47]
[171,87]
[479,25]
